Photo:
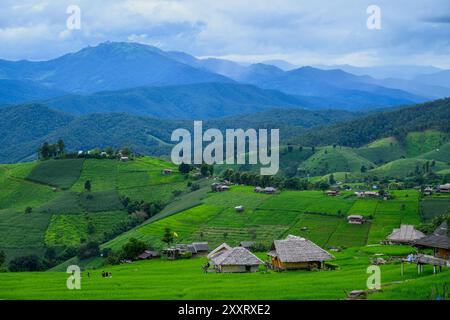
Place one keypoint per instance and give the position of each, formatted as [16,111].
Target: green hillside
[338,159]
[311,214]
[408,167]
[417,143]
[64,214]
[440,153]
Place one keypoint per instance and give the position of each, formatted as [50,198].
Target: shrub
[26,263]
[133,248]
[88,250]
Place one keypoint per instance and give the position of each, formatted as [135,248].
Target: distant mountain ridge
[24,127]
[193,101]
[114,66]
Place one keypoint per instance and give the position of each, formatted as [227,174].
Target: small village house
[148,254]
[367,194]
[195,248]
[239,208]
[235,260]
[167,171]
[219,187]
[406,234]
[428,191]
[270,190]
[439,241]
[247,244]
[445,188]
[297,253]
[333,193]
[219,250]
[258,189]
[355,219]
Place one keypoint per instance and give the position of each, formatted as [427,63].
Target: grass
[184,224]
[57,173]
[339,159]
[70,230]
[308,201]
[75,203]
[162,279]
[417,143]
[406,167]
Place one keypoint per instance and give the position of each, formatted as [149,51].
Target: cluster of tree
[33,262]
[429,227]
[253,179]
[129,251]
[206,170]
[149,208]
[47,150]
[398,123]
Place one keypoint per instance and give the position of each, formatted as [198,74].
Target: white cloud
[305,32]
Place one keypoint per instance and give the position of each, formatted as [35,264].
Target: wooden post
[418,268]
[434,269]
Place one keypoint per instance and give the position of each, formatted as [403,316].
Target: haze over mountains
[145,80]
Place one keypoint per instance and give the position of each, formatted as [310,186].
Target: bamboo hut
[406,234]
[297,253]
[439,241]
[237,259]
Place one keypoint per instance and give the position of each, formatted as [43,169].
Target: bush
[186,255]
[88,250]
[26,263]
[133,248]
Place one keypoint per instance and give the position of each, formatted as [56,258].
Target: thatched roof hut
[148,254]
[297,253]
[201,246]
[247,244]
[406,234]
[439,241]
[237,259]
[219,250]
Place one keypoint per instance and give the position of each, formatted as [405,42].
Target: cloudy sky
[302,32]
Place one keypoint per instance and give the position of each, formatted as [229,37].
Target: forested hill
[398,122]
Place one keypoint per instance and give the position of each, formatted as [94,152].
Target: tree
[90,228]
[133,248]
[204,169]
[2,257]
[87,185]
[88,250]
[61,146]
[25,263]
[168,236]
[331,179]
[45,150]
[184,168]
[28,210]
[363,169]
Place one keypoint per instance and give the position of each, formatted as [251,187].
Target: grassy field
[406,167]
[339,159]
[61,208]
[58,173]
[71,230]
[417,143]
[184,279]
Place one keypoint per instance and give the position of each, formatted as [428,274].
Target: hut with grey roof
[406,234]
[439,241]
[218,251]
[297,253]
[237,259]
